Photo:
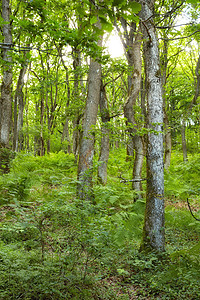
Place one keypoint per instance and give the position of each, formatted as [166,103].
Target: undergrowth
[54,246]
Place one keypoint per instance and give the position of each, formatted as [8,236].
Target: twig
[191,211]
[124,180]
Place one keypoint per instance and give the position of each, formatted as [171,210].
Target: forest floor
[54,246]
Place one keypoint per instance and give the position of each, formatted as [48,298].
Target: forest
[99,149]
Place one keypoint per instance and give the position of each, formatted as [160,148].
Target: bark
[85,163]
[37,136]
[65,133]
[76,121]
[153,233]
[184,145]
[197,84]
[19,99]
[105,145]
[26,114]
[6,86]
[42,149]
[129,112]
[167,138]
[132,46]
[168,142]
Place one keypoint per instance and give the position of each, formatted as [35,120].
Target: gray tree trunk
[132,47]
[167,137]
[65,133]
[19,99]
[135,63]
[85,164]
[6,86]
[184,144]
[153,233]
[76,121]
[168,142]
[105,145]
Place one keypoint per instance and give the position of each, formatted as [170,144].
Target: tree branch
[191,211]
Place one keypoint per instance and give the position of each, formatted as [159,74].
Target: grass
[53,246]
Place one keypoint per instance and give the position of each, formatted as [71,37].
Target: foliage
[182,180]
[55,246]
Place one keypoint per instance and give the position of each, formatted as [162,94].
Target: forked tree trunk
[135,63]
[6,86]
[105,145]
[153,233]
[132,47]
[85,164]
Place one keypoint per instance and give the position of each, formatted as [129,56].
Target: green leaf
[119,3]
[136,7]
[193,1]
[93,20]
[105,24]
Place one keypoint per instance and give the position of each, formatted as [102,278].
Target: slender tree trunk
[105,145]
[184,144]
[153,233]
[65,133]
[132,47]
[168,142]
[42,150]
[37,137]
[129,111]
[85,164]
[19,99]
[76,121]
[197,82]
[167,137]
[26,120]
[6,86]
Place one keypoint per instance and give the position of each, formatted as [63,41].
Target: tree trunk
[6,87]
[76,131]
[135,63]
[153,233]
[168,142]
[184,145]
[65,133]
[42,149]
[132,47]
[85,164]
[167,137]
[19,99]
[105,146]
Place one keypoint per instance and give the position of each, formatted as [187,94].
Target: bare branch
[191,211]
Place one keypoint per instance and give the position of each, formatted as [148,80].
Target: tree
[85,163]
[131,40]
[153,233]
[105,145]
[6,86]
